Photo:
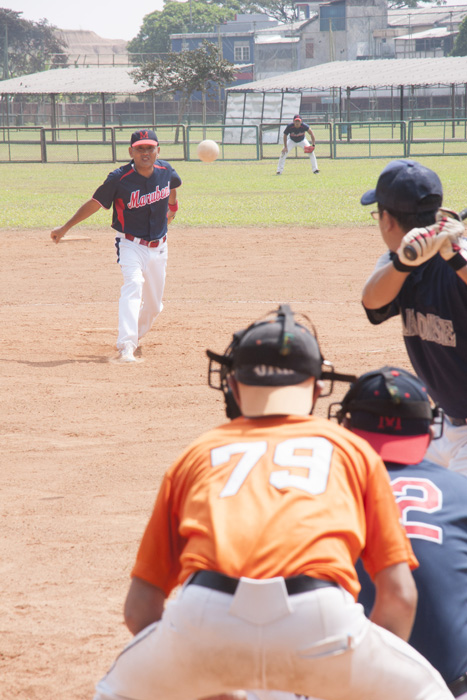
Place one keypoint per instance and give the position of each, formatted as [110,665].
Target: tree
[200,16]
[187,72]
[460,43]
[178,18]
[27,47]
[412,4]
[282,10]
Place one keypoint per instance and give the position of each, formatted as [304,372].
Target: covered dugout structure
[397,83]
[62,81]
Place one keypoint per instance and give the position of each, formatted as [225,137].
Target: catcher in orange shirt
[261,521]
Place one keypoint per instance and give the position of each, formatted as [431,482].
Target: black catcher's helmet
[273,351]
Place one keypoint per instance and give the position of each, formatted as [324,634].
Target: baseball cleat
[315,172]
[126,353]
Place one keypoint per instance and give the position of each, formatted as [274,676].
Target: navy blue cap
[406,186]
[143,136]
[391,409]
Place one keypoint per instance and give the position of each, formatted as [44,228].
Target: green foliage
[460,43]
[154,35]
[187,72]
[199,16]
[30,45]
[402,4]
[282,10]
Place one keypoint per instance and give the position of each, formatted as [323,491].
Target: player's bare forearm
[84,212]
[382,287]
[144,605]
[396,600]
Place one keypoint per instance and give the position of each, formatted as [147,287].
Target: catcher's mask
[391,409]
[274,351]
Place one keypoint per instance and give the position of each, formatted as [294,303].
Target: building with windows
[427,32]
[236,37]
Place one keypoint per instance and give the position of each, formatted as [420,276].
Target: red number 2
[421,495]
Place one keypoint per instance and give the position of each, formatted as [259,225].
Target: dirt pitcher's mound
[84,441]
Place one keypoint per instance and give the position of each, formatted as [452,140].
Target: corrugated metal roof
[75,80]
[436,33]
[359,74]
[276,39]
[433,14]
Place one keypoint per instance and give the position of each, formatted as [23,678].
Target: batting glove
[418,246]
[451,251]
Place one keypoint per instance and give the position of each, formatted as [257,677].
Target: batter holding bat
[294,136]
[423,277]
[144,198]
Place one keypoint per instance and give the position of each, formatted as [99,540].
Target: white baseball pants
[292,144]
[144,272]
[450,450]
[317,643]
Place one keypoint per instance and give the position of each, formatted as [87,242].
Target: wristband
[457,262]
[400,266]
[173,207]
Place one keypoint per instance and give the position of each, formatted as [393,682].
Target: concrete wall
[362,18]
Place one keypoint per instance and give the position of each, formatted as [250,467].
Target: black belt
[458,421]
[227,584]
[458,686]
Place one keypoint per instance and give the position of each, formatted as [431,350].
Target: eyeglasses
[375,215]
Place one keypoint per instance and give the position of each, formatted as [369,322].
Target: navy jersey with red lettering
[431,502]
[433,307]
[140,203]
[296,133]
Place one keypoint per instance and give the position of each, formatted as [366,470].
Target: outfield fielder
[261,520]
[294,137]
[428,292]
[144,198]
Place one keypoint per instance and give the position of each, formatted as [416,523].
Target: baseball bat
[409,250]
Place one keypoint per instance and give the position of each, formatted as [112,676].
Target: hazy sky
[117,19]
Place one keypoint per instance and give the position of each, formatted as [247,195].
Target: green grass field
[38,196]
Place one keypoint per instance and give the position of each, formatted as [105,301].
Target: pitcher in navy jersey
[391,410]
[429,292]
[143,194]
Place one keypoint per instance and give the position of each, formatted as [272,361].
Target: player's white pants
[450,450]
[292,144]
[144,271]
[317,643]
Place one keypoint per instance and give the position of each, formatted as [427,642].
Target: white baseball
[208,151]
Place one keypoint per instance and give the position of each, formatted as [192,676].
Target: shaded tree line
[27,47]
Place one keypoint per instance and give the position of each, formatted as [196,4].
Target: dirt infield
[84,442]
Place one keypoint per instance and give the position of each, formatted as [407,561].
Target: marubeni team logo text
[136,201]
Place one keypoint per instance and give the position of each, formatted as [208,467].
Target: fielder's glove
[309,149]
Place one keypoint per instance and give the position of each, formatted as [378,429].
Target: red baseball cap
[297,116]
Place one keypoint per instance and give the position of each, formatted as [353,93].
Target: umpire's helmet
[275,351]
